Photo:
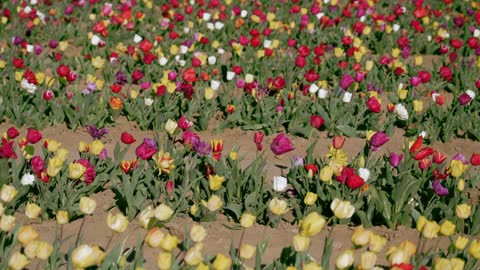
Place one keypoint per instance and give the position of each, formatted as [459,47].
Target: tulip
[301,243]
[281,144]
[171,127]
[398,256]
[312,224]
[447,228]
[87,205]
[277,206]
[32,210]
[310,198]
[463,210]
[222,262]
[247,251]
[33,135]
[338,142]
[145,215]
[377,140]
[461,242]
[342,209]
[7,223]
[475,159]
[163,212]
[395,159]
[409,247]
[117,223]
[326,174]
[38,249]
[62,217]
[361,236]
[474,249]
[18,261]
[316,121]
[169,242]
[344,260]
[430,229]
[194,255]
[154,237]
[214,203]
[85,256]
[215,182]
[198,233]
[96,147]
[279,183]
[376,242]
[367,260]
[76,170]
[247,220]
[7,193]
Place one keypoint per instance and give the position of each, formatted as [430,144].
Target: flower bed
[328,71]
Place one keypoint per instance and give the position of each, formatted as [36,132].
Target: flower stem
[80,230]
[109,241]
[240,242]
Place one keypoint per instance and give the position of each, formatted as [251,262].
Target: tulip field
[250,134]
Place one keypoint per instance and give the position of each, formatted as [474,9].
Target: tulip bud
[461,185]
[85,256]
[461,242]
[169,242]
[367,260]
[344,260]
[376,242]
[27,234]
[214,203]
[420,223]
[277,206]
[430,229]
[198,233]
[154,237]
[474,249]
[222,262]
[62,217]
[117,223]
[447,228]
[18,261]
[463,211]
[7,193]
[247,251]
[87,205]
[163,212]
[247,220]
[171,127]
[326,174]
[301,243]
[194,255]
[312,224]
[38,249]
[32,210]
[361,236]
[310,198]
[7,223]
[145,216]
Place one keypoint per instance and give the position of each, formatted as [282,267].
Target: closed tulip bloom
[312,224]
[194,254]
[281,144]
[421,222]
[18,261]
[7,193]
[247,251]
[87,205]
[301,243]
[447,228]
[398,256]
[171,127]
[154,237]
[310,198]
[214,203]
[216,182]
[277,206]
[409,247]
[342,209]
[145,216]
[96,147]
[312,266]
[32,210]
[367,260]
[38,249]
[7,223]
[62,217]
[247,220]
[222,262]
[474,249]
[344,260]
[461,242]
[163,212]
[361,236]
[85,256]
[164,260]
[117,222]
[198,233]
[169,242]
[27,234]
[326,174]
[376,242]
[430,229]
[463,211]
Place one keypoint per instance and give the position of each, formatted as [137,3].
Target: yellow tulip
[216,182]
[361,236]
[277,206]
[169,242]
[222,262]
[87,205]
[430,229]
[118,222]
[194,255]
[154,237]
[18,261]
[76,170]
[463,210]
[145,216]
[85,256]
[301,243]
[342,209]
[163,212]
[474,249]
[344,260]
[27,234]
[247,220]
[54,166]
[7,193]
[310,198]
[461,242]
[376,242]
[247,251]
[32,210]
[367,260]
[164,260]
[447,228]
[62,217]
[214,203]
[312,224]
[96,147]
[198,233]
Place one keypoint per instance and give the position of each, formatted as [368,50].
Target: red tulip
[374,105]
[127,138]
[258,137]
[63,70]
[475,159]
[423,153]
[12,133]
[281,145]
[189,75]
[18,62]
[338,142]
[439,158]
[311,167]
[33,136]
[416,145]
[355,181]
[316,121]
[424,164]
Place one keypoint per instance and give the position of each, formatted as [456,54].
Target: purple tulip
[281,144]
[172,76]
[68,10]
[121,78]
[464,99]
[359,76]
[460,157]
[37,48]
[439,189]
[52,44]
[406,52]
[298,161]
[96,133]
[103,154]
[202,148]
[395,159]
[346,81]
[240,83]
[377,140]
